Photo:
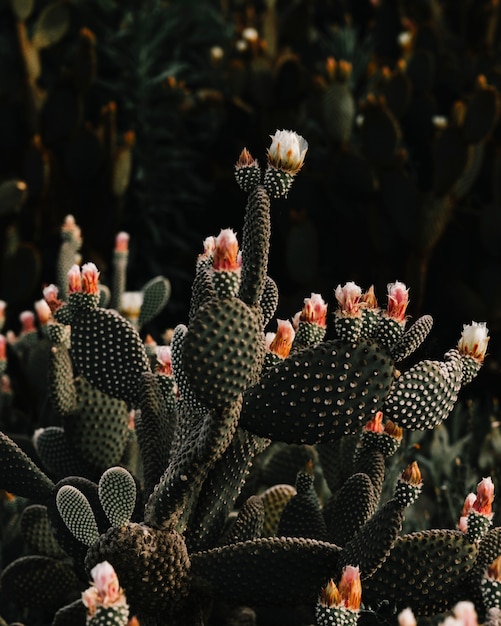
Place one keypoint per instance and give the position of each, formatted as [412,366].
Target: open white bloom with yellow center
[287,151]
[474,340]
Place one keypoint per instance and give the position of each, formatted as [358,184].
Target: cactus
[203,521]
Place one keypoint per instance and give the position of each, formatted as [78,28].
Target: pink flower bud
[43,311]
[282,341]
[50,296]
[90,597]
[27,319]
[90,279]
[348,298]
[350,588]
[226,256]
[314,310]
[398,300]
[164,359]
[485,497]
[406,618]
[122,242]
[74,279]
[106,583]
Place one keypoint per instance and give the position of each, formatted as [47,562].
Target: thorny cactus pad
[168,497]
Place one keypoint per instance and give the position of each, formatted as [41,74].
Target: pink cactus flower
[467,507]
[90,279]
[350,588]
[407,618]
[74,279]
[282,341]
[27,319]
[314,310]
[3,348]
[122,242]
[164,360]
[485,497]
[348,298]
[106,582]
[287,151]
[42,309]
[226,253]
[398,300]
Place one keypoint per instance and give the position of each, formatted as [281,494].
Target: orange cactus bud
[368,299]
[90,279]
[282,342]
[375,425]
[330,596]
[494,569]
[393,430]
[314,310]
[412,474]
[350,588]
[485,497]
[398,300]
[226,255]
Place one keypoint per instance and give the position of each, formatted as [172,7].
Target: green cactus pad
[109,353]
[222,351]
[277,182]
[77,514]
[320,394]
[65,538]
[275,499]
[195,407]
[154,427]
[248,177]
[37,533]
[308,334]
[202,289]
[249,522]
[370,461]
[301,516]
[156,295]
[255,246]
[269,300]
[74,614]
[276,570]
[422,571]
[471,367]
[335,616]
[412,338]
[424,395]
[57,454]
[152,566]
[19,474]
[226,283]
[370,546]
[62,393]
[336,459]
[98,430]
[221,489]
[40,582]
[117,493]
[349,508]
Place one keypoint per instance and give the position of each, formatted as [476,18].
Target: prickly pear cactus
[212,515]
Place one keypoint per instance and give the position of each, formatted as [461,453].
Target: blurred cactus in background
[272,460]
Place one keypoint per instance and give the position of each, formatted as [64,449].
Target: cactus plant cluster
[237,473]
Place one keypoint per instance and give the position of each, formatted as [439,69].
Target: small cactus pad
[255,246]
[249,522]
[37,533]
[156,295]
[77,514]
[19,474]
[62,392]
[109,353]
[222,351]
[117,493]
[412,338]
[320,394]
[424,395]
